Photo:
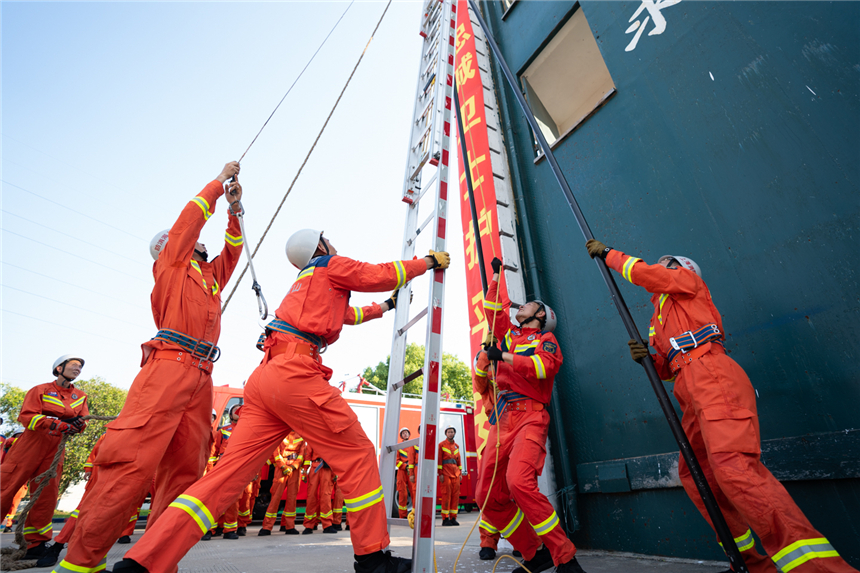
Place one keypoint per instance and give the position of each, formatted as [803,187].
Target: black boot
[231,535]
[446,522]
[347,527]
[380,562]
[487,553]
[51,555]
[206,536]
[540,562]
[283,528]
[36,551]
[516,553]
[124,539]
[129,566]
[242,531]
[292,531]
[571,566]
[330,529]
[308,531]
[454,521]
[218,531]
[338,526]
[264,532]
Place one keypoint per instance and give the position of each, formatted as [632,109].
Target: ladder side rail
[425,513]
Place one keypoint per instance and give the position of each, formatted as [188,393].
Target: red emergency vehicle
[369,406]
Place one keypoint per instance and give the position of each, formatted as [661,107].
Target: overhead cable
[111,338]
[302,166]
[72,305]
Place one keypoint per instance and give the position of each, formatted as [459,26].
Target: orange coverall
[450,469]
[7,519]
[89,468]
[288,518]
[481,385]
[229,520]
[34,452]
[166,420]
[290,390]
[721,421]
[338,511]
[287,460]
[405,474]
[522,427]
[318,506]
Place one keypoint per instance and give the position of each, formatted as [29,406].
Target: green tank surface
[728,132]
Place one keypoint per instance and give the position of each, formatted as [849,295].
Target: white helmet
[301,247]
[404,429]
[61,361]
[157,244]
[550,321]
[685,262]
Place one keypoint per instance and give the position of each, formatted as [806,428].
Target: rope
[302,166]
[11,559]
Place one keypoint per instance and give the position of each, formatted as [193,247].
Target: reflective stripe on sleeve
[540,371]
[34,421]
[512,526]
[546,525]
[494,306]
[204,206]
[802,551]
[627,269]
[359,314]
[197,510]
[234,241]
[401,274]
[364,501]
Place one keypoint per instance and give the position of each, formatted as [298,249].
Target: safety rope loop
[11,560]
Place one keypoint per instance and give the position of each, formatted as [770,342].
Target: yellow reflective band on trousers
[512,526]
[487,527]
[271,515]
[232,525]
[745,542]
[802,551]
[195,508]
[66,567]
[245,513]
[364,501]
[546,525]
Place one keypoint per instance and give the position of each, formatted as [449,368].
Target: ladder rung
[397,521]
[410,378]
[412,322]
[406,444]
[421,228]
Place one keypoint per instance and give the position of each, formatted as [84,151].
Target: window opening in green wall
[567,80]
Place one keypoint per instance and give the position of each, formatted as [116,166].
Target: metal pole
[714,512]
[468,169]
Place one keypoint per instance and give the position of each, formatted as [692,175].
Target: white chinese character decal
[653,7]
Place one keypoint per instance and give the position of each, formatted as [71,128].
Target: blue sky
[116,114]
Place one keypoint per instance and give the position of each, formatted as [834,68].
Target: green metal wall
[756,178]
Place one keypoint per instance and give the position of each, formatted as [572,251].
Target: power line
[75,238]
[72,254]
[73,306]
[296,80]
[77,286]
[112,338]
[74,210]
[302,166]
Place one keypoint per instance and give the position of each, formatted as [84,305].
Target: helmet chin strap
[202,254]
[535,317]
[62,374]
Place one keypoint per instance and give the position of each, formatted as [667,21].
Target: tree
[103,399]
[456,375]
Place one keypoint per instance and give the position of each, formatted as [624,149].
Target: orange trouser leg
[16,501]
[488,538]
[312,503]
[402,492]
[163,431]
[326,487]
[279,483]
[231,517]
[337,505]
[132,523]
[288,518]
[453,495]
[728,445]
[282,394]
[20,465]
[445,495]
[246,505]
[500,512]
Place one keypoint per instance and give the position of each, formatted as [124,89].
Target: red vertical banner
[472,113]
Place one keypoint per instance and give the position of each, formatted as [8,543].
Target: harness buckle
[678,347]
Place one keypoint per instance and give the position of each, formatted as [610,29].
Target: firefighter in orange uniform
[287,460]
[318,509]
[338,510]
[481,385]
[49,412]
[229,521]
[288,518]
[405,475]
[6,524]
[720,417]
[450,470]
[166,418]
[526,365]
[290,390]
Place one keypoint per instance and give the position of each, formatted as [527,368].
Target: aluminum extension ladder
[425,183]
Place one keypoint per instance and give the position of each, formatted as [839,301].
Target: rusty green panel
[733,138]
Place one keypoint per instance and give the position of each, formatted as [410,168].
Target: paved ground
[320,553]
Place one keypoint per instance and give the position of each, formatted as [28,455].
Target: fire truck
[368,403]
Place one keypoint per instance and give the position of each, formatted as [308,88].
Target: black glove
[637,351]
[494,354]
[597,249]
[497,265]
[78,422]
